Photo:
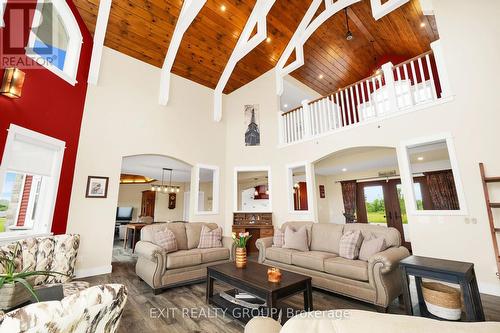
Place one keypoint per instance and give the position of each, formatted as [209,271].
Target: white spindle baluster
[431,75]
[364,83]
[324,106]
[338,111]
[373,101]
[320,117]
[398,71]
[294,121]
[348,107]
[422,76]
[313,119]
[342,109]
[415,81]
[353,104]
[358,96]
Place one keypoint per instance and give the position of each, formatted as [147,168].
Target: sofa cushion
[210,238]
[214,254]
[278,238]
[280,255]
[183,258]
[350,243]
[371,246]
[351,269]
[391,235]
[179,230]
[193,232]
[296,239]
[166,240]
[296,225]
[311,259]
[326,237]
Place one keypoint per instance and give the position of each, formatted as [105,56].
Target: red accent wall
[51,106]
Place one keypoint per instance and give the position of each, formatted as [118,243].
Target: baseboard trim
[82,273]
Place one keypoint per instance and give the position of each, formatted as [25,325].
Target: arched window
[55,39]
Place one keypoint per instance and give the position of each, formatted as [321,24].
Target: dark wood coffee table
[253,280]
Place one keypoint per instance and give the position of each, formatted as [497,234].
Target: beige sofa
[187,265]
[356,321]
[377,281]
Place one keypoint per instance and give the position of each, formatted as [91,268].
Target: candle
[273,274]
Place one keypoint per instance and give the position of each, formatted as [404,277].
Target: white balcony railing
[417,83]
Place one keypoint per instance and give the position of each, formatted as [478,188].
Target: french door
[382,202]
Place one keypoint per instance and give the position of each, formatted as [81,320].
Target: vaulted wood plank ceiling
[143,29]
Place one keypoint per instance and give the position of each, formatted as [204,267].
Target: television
[124,213]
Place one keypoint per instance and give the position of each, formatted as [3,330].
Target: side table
[461,273]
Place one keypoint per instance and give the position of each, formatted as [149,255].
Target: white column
[307,119]
[437,49]
[390,86]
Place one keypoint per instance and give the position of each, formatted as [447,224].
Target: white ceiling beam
[305,29]
[308,26]
[189,11]
[427,7]
[244,45]
[99,36]
[3,3]
[380,10]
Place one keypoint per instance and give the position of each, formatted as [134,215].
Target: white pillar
[437,49]
[307,119]
[390,86]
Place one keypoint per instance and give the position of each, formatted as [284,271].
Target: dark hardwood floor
[184,310]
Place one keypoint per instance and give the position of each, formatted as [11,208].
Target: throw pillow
[296,239]
[371,246]
[350,242]
[210,238]
[278,238]
[166,239]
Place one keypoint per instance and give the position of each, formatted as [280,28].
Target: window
[207,187]
[55,39]
[29,178]
[432,176]
[252,189]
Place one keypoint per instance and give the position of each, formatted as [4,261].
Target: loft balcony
[418,83]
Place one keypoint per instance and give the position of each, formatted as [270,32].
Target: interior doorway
[362,185]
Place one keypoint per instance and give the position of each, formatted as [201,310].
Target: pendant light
[348,35]
[166,188]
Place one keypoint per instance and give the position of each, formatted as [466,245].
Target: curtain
[349,197]
[442,190]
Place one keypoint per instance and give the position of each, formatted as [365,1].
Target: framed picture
[97,187]
[322,194]
[252,131]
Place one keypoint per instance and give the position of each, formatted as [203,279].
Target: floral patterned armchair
[97,309]
[53,253]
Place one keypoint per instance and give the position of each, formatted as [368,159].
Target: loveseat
[188,264]
[357,321]
[53,253]
[376,281]
[97,309]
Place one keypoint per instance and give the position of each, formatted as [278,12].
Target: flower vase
[241,257]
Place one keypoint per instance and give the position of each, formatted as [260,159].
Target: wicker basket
[442,301]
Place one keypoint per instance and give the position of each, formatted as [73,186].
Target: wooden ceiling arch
[143,29]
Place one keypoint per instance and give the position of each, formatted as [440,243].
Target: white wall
[122,117]
[473,116]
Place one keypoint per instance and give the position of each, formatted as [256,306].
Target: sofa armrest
[150,251]
[228,243]
[384,275]
[389,259]
[262,244]
[260,324]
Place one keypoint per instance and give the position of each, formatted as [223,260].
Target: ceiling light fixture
[285,106]
[348,35]
[166,188]
[223,8]
[422,25]
[344,169]
[420,158]
[320,76]
[268,39]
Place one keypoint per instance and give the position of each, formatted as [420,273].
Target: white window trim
[407,178]
[48,201]
[309,184]
[75,41]
[215,189]
[3,3]
[235,186]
